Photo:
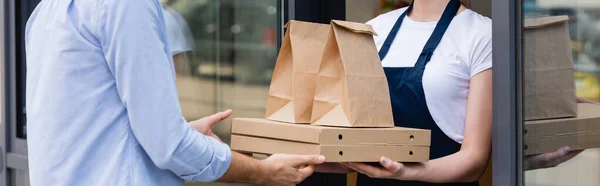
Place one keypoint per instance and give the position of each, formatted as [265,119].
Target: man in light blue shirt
[102,105]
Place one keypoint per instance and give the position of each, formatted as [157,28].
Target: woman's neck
[427,10]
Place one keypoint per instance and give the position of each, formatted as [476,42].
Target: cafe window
[561,58]
[224,52]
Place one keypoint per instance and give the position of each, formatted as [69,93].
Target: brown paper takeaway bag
[293,82]
[351,88]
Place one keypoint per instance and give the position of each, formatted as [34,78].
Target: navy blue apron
[409,106]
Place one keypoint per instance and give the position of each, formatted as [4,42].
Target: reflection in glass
[584,29]
[224,52]
[19,178]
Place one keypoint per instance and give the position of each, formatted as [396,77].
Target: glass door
[224,52]
[567,158]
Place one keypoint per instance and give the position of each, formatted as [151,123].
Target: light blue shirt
[102,104]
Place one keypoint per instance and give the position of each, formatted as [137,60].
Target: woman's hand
[390,170]
[583,100]
[549,160]
[466,165]
[553,159]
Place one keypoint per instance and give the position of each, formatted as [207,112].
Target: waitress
[437,56]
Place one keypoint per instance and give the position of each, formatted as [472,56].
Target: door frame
[3,138]
[507,127]
[14,149]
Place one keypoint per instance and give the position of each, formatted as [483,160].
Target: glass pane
[561,58]
[224,52]
[19,178]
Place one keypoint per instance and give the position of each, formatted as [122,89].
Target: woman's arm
[469,163]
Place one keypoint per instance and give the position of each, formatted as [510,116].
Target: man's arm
[278,169]
[133,39]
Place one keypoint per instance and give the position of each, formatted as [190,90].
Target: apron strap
[385,48]
[434,39]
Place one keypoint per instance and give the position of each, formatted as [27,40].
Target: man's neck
[428,10]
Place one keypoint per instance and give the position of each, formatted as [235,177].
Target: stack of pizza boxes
[329,96]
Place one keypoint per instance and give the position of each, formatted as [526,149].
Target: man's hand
[205,124]
[284,169]
[549,160]
[276,170]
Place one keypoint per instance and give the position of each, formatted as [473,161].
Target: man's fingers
[215,118]
[307,160]
[307,171]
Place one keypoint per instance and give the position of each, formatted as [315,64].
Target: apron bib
[409,106]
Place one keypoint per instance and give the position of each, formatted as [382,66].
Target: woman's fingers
[391,166]
[551,159]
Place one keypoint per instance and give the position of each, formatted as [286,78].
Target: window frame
[507,127]
[14,149]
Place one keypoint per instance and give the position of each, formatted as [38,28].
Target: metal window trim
[507,156]
[16,161]
[14,143]
[3,169]
[282,11]
[19,146]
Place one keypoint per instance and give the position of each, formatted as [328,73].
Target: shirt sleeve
[134,42]
[481,50]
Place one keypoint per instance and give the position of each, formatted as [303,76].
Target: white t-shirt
[464,51]
[178,33]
